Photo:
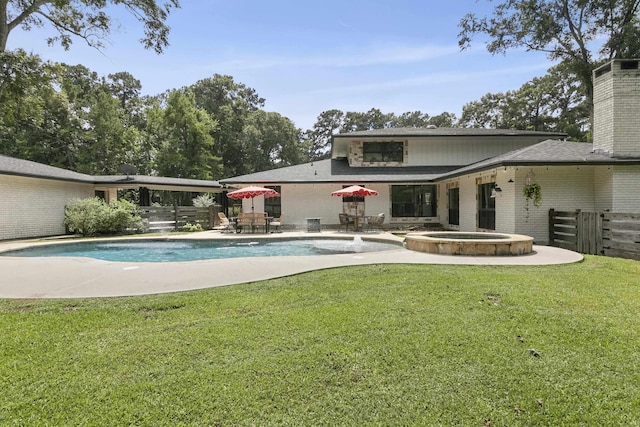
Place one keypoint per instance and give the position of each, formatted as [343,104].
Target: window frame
[402,207]
[383,152]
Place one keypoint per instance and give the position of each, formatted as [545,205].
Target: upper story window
[382,152]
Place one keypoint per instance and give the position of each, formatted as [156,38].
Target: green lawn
[369,345]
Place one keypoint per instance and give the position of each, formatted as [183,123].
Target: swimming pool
[194,250]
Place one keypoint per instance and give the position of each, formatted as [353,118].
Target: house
[33,196]
[474,179]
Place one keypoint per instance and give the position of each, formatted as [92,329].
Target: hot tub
[469,243]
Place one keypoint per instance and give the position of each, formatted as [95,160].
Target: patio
[85,277]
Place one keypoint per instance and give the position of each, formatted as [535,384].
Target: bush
[191,227]
[94,216]
[203,201]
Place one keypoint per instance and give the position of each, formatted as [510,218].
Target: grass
[368,345]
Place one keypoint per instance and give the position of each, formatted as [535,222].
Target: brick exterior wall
[31,207]
[616,96]
[626,185]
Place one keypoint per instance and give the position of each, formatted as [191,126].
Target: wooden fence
[171,218]
[596,233]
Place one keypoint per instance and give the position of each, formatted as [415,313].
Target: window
[376,152]
[454,206]
[486,207]
[413,201]
[272,205]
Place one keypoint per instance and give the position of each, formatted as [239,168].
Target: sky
[306,57]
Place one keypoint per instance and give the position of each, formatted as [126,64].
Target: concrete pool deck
[23,277]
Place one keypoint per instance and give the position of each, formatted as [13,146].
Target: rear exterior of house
[33,196]
[459,179]
[473,179]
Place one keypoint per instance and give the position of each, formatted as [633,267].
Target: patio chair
[376,221]
[245,222]
[259,219]
[277,223]
[225,226]
[346,222]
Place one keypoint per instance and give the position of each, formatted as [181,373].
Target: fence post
[579,232]
[552,217]
[175,214]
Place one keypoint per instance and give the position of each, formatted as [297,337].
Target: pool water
[193,250]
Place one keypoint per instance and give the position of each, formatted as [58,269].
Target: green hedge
[94,216]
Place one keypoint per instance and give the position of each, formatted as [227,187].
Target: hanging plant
[533,193]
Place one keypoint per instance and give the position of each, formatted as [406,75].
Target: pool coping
[88,278]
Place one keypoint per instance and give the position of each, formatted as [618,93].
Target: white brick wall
[31,207]
[562,187]
[616,104]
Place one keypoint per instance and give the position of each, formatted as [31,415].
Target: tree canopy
[335,121]
[579,33]
[85,19]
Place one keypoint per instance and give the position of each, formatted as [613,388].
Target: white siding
[31,207]
[460,150]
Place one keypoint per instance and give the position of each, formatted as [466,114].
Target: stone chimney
[616,108]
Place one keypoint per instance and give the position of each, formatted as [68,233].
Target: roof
[19,167]
[27,168]
[403,132]
[549,152]
[338,170]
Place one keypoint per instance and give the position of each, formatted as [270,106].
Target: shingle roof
[19,167]
[338,170]
[549,152]
[13,166]
[389,132]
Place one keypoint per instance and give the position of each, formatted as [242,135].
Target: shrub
[94,216]
[203,201]
[191,227]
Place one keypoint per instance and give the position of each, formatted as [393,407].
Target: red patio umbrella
[251,192]
[355,190]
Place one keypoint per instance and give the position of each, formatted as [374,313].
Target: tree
[412,119]
[372,119]
[269,141]
[85,19]
[230,103]
[186,131]
[579,33]
[35,120]
[552,103]
[319,138]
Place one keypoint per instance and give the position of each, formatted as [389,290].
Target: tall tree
[412,119]
[85,19]
[372,119]
[269,141]
[230,103]
[36,122]
[552,103]
[319,138]
[186,130]
[580,33]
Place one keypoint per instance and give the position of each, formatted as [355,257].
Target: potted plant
[532,193]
